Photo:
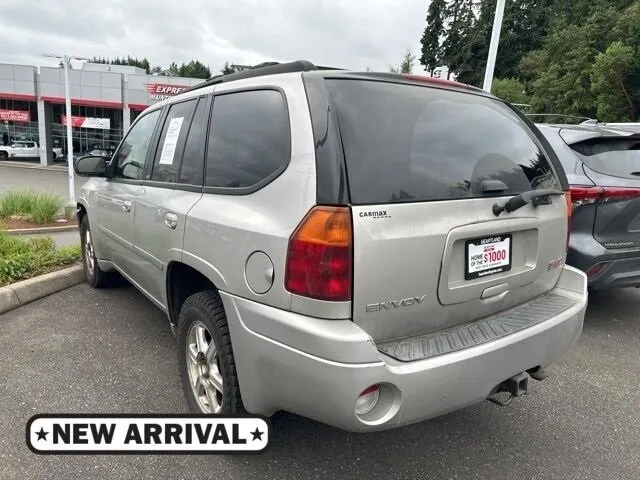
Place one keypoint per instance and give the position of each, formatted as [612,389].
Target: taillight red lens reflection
[319,258]
[581,195]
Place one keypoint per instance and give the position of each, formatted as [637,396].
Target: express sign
[160,91]
[15,115]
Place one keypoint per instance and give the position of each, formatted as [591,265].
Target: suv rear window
[406,143]
[617,157]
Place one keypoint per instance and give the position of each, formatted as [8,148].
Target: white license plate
[488,256]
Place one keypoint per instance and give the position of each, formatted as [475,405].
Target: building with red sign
[105,99]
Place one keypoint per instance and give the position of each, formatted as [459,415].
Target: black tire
[206,307]
[4,156]
[96,277]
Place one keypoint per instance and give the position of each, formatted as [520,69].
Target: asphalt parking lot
[26,175]
[111,351]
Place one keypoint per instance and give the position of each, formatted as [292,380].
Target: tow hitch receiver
[515,386]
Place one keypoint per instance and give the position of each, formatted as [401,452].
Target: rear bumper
[621,273]
[621,268]
[317,368]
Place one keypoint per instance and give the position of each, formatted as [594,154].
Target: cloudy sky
[343,33]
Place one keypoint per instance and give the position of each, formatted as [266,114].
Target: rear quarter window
[406,143]
[249,140]
[616,157]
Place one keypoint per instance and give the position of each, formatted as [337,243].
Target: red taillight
[611,194]
[585,195]
[319,258]
[567,198]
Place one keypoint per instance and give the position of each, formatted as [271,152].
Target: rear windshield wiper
[537,197]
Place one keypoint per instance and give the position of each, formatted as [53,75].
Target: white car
[25,149]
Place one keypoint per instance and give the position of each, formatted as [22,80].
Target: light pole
[66,59]
[493,46]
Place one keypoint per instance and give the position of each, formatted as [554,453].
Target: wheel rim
[203,365]
[89,258]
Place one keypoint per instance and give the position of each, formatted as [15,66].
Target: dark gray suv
[603,169]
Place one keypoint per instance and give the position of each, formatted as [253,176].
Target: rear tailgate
[613,164]
[424,168]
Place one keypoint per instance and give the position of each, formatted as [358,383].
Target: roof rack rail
[585,120]
[262,69]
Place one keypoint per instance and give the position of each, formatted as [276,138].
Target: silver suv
[365,249]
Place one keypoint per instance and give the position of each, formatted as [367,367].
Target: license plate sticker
[488,256]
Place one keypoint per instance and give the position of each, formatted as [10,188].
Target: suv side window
[174,132]
[249,139]
[132,154]
[192,168]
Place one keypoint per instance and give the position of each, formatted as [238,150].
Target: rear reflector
[367,400]
[595,270]
[585,195]
[319,258]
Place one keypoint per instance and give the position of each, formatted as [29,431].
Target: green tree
[173,70]
[524,29]
[460,21]
[408,62]
[227,69]
[432,36]
[130,61]
[194,69]
[510,89]
[615,76]
[559,74]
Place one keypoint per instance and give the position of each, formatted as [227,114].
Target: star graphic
[257,434]
[42,435]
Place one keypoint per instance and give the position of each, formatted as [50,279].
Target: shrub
[20,258]
[35,206]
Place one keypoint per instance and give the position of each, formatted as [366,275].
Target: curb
[26,291]
[43,230]
[48,168]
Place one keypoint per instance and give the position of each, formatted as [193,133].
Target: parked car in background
[366,249]
[602,165]
[25,150]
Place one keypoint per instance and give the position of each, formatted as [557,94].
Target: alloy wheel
[203,365]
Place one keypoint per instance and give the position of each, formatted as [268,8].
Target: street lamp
[66,59]
[493,46]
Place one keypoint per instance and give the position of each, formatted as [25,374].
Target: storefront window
[12,129]
[94,127]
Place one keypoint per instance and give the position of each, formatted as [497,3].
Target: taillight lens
[585,195]
[319,258]
[567,198]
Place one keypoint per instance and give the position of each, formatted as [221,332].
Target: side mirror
[91,166]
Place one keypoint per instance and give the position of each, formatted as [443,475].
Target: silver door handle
[126,206]
[171,220]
